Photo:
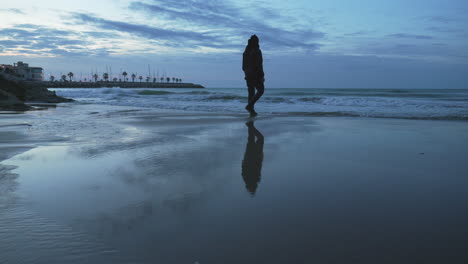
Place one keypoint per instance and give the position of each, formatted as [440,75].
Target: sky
[305,43]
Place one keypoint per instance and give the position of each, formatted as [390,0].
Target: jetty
[21,72]
[109,84]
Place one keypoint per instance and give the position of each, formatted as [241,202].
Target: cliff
[13,95]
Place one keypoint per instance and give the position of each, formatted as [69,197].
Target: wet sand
[102,184]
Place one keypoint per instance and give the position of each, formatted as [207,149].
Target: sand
[119,184]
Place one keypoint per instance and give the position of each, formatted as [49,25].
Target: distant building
[22,71]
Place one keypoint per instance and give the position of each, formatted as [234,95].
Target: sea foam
[383,103]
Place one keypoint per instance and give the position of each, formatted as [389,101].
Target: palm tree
[154,79]
[162,79]
[115,79]
[173,79]
[125,75]
[141,78]
[70,75]
[168,79]
[52,78]
[64,77]
[95,76]
[105,76]
[148,78]
[180,80]
[133,77]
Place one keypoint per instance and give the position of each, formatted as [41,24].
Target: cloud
[12,10]
[444,30]
[428,50]
[187,25]
[17,33]
[410,36]
[30,39]
[358,33]
[441,19]
[232,24]
[9,42]
[144,31]
[96,34]
[78,51]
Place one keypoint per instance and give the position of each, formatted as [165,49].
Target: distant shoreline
[104,84]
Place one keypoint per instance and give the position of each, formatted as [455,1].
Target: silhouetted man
[253,159]
[252,65]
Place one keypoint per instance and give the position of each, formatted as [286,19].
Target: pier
[105,84]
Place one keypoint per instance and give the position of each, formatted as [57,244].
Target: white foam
[374,103]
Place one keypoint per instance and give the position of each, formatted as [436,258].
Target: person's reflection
[253,158]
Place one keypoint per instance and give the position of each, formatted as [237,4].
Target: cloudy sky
[306,43]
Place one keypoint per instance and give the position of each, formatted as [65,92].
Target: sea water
[439,104]
[106,181]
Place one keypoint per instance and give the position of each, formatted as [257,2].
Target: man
[252,65]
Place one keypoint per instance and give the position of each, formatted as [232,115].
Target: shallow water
[439,104]
[213,190]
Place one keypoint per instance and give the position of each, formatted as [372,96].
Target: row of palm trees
[105,76]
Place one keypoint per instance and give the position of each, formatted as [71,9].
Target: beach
[101,183]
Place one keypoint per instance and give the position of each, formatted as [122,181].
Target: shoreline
[136,184]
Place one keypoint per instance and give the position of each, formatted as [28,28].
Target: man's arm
[260,63]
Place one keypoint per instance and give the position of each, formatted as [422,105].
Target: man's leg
[260,90]
[251,88]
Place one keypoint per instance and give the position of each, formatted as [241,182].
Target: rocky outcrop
[9,102]
[43,95]
[13,95]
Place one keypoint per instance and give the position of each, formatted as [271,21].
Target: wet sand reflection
[253,159]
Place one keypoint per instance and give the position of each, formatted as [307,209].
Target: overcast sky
[306,43]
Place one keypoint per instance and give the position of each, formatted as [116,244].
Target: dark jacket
[252,63]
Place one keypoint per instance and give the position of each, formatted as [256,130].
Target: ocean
[431,104]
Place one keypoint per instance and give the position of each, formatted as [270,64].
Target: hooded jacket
[252,63]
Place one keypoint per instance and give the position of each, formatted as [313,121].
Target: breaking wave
[152,92]
[378,103]
[225,97]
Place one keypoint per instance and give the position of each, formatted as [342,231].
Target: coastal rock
[9,102]
[43,95]
[13,88]
[13,95]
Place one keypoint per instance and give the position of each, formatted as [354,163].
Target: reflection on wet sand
[253,158]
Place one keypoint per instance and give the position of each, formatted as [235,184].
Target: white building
[22,71]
